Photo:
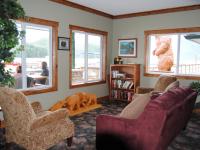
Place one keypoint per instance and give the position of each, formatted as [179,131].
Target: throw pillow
[172,86]
[136,107]
[163,82]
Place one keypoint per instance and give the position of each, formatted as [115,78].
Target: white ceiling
[118,7]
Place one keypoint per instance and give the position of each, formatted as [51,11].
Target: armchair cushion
[136,107]
[48,118]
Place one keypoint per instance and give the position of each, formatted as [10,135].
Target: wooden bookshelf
[124,78]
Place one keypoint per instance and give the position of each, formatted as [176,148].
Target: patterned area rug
[85,127]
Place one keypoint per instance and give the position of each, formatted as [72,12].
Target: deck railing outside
[183,68]
[78,74]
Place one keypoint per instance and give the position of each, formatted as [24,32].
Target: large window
[34,68]
[88,55]
[173,51]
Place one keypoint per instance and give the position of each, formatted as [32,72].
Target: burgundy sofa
[163,118]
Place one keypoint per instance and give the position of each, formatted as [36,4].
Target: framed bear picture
[63,43]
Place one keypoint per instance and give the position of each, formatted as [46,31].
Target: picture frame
[128,47]
[63,43]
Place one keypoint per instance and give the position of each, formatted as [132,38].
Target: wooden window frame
[54,26]
[166,31]
[104,56]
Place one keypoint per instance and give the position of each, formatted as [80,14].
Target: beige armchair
[33,128]
[161,84]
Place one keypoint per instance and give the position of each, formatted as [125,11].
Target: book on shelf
[122,95]
[131,85]
[117,74]
[122,84]
[114,94]
[114,73]
[126,84]
[129,96]
[119,82]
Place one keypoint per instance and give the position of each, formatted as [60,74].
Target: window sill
[186,77]
[87,84]
[39,90]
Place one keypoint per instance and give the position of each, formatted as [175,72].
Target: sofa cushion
[155,94]
[173,85]
[163,82]
[170,98]
[136,107]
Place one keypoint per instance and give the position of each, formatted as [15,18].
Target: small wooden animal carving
[83,99]
[92,99]
[58,105]
[76,103]
[73,102]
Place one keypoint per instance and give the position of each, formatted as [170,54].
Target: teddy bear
[164,53]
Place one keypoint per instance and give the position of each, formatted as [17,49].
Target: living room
[62,19]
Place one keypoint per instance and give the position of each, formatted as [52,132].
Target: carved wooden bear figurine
[92,99]
[73,102]
[58,105]
[76,102]
[83,99]
[164,52]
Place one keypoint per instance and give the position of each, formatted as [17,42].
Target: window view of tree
[31,68]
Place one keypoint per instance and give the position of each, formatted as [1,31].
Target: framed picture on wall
[63,43]
[128,47]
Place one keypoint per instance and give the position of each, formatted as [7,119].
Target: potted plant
[195,85]
[10,10]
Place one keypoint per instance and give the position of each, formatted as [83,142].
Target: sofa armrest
[116,124]
[143,90]
[37,107]
[49,118]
